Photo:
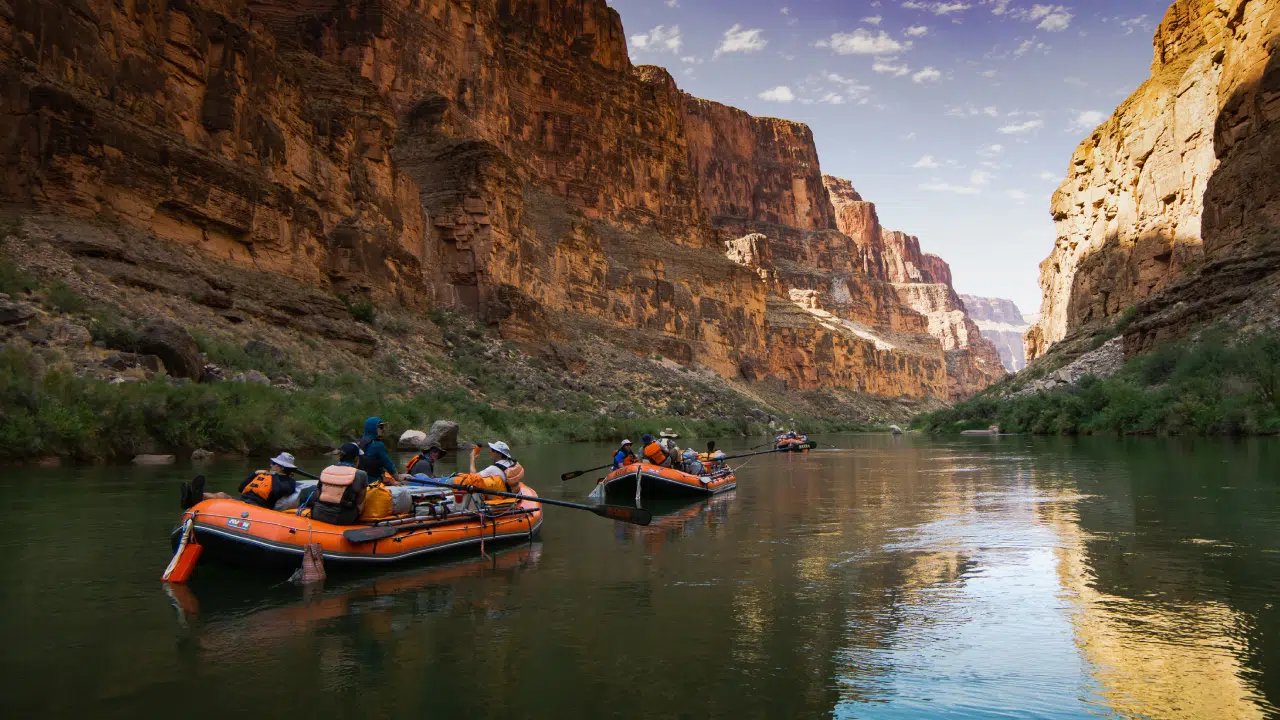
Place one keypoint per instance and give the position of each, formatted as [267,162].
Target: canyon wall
[1182,176]
[499,156]
[1001,322]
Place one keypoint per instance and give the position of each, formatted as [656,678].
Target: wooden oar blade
[633,515]
[571,475]
[364,535]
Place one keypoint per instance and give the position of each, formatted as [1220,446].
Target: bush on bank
[1210,387]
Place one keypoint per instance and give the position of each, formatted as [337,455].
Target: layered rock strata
[1001,322]
[1181,177]
[497,156]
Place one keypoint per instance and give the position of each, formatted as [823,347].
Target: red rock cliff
[501,156]
[1181,176]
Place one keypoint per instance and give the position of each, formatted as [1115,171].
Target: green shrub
[15,280]
[65,300]
[363,310]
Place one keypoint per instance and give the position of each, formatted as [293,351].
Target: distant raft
[236,533]
[648,480]
[799,444]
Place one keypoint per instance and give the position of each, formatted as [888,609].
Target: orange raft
[655,480]
[799,444]
[231,532]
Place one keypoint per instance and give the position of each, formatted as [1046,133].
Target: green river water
[878,577]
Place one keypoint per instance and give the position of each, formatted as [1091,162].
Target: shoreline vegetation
[65,395]
[1221,383]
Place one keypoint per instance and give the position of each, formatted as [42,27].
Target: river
[878,577]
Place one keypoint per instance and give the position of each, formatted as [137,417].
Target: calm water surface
[884,578]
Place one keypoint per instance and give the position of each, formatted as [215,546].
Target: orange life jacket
[485,482]
[409,468]
[654,453]
[335,485]
[514,474]
[260,485]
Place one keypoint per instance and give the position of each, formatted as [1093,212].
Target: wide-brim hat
[500,448]
[625,443]
[435,447]
[284,460]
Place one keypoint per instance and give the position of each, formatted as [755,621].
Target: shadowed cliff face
[500,156]
[1002,323]
[1178,179]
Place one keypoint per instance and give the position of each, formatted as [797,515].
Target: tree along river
[878,577]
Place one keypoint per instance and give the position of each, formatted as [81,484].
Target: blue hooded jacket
[376,458]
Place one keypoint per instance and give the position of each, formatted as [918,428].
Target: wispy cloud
[890,67]
[865,42]
[944,187]
[916,31]
[659,39]
[781,94]
[873,20]
[991,150]
[737,39]
[999,7]
[1048,176]
[1050,18]
[926,163]
[1022,128]
[979,177]
[938,8]
[929,74]
[1087,120]
[1018,196]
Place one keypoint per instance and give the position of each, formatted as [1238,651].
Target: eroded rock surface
[1001,322]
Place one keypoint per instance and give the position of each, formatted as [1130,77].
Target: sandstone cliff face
[1001,322]
[1181,174]
[499,156]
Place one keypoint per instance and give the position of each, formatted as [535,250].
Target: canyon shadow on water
[882,578]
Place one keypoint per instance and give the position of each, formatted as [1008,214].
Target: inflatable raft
[799,444]
[645,479]
[236,533]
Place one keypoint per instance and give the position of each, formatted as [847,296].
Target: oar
[633,515]
[576,473]
[381,532]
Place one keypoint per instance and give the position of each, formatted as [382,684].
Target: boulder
[443,433]
[14,313]
[257,348]
[412,440]
[201,455]
[71,335]
[253,376]
[174,346]
[154,459]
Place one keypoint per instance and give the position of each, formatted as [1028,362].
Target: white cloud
[989,73]
[659,39]
[781,94]
[1087,120]
[1048,176]
[873,20]
[736,39]
[673,3]
[979,177]
[1021,128]
[832,98]
[889,67]
[926,163]
[1024,48]
[785,11]
[1017,196]
[916,31]
[1051,18]
[936,186]
[999,7]
[1132,24]
[929,74]
[864,42]
[937,8]
[991,150]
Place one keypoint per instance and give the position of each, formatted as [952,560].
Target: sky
[957,118]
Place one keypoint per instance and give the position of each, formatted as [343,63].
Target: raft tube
[656,480]
[239,534]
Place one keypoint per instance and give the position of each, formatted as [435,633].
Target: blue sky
[957,118]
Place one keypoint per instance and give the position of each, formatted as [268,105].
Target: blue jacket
[376,459]
[620,457]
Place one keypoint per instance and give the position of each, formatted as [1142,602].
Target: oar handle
[305,474]
[633,515]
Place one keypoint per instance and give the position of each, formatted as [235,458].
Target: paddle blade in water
[571,475]
[633,515]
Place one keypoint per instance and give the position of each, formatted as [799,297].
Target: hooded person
[341,490]
[376,460]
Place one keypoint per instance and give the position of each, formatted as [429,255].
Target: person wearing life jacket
[712,458]
[376,461]
[691,463]
[262,488]
[503,465]
[424,463]
[673,452]
[654,452]
[341,490]
[624,456]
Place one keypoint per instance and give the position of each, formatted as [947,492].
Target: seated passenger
[624,456]
[691,464]
[262,488]
[654,452]
[424,463]
[504,466]
[341,490]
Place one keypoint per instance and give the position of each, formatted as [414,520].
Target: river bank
[94,371]
[1221,382]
